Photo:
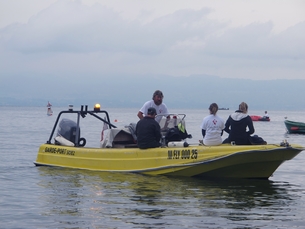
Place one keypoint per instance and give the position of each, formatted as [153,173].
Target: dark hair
[213,108]
[157,92]
[151,111]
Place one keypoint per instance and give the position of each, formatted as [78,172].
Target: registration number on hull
[182,154]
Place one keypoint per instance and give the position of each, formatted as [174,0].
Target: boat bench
[123,140]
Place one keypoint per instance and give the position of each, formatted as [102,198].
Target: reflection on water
[142,201]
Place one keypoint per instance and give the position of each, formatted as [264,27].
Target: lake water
[44,197]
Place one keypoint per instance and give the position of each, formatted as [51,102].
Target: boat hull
[255,161]
[295,127]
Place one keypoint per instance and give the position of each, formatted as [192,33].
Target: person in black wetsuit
[237,124]
[148,131]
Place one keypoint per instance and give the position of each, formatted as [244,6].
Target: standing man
[148,130]
[156,103]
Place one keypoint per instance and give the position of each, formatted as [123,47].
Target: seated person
[148,130]
[266,116]
[237,124]
[212,127]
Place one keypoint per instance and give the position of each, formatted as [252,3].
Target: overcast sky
[258,39]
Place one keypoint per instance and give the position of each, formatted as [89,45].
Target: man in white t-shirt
[212,127]
[266,115]
[156,103]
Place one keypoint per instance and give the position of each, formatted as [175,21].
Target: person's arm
[167,115]
[140,115]
[250,126]
[143,111]
[222,126]
[168,118]
[227,125]
[203,132]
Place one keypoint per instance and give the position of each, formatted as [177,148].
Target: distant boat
[222,108]
[259,118]
[295,127]
[49,110]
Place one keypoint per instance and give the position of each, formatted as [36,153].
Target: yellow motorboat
[119,153]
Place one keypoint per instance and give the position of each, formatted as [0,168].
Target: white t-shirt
[213,125]
[161,109]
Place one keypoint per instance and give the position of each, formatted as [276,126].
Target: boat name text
[59,151]
[182,154]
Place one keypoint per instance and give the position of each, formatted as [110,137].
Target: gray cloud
[69,37]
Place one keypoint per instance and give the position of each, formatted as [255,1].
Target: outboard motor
[67,129]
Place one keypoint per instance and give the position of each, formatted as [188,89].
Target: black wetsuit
[236,126]
[148,133]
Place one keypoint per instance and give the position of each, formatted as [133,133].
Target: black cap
[151,111]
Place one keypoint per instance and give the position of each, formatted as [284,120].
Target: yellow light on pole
[97,107]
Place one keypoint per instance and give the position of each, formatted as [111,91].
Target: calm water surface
[43,197]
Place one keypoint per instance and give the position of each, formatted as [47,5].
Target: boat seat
[117,138]
[123,140]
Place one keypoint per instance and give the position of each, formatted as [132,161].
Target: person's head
[213,108]
[265,112]
[243,107]
[158,97]
[151,112]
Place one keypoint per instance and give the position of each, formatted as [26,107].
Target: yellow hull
[253,161]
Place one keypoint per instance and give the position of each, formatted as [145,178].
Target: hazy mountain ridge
[196,91]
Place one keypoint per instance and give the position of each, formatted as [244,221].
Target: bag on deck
[177,133]
[256,140]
